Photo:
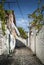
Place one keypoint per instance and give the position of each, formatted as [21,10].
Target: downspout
[9,43]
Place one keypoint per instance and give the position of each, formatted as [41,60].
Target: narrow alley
[21,56]
[21,32]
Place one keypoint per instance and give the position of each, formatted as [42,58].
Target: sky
[21,9]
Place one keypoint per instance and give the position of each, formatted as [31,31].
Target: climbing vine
[8,11]
[2,16]
[37,17]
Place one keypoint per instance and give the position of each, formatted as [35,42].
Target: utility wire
[19,8]
[17,5]
[8,3]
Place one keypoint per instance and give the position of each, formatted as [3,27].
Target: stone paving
[21,56]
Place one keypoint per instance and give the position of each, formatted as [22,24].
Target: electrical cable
[19,8]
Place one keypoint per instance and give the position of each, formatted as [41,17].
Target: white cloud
[22,23]
[23,20]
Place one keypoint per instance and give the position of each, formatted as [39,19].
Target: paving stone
[22,56]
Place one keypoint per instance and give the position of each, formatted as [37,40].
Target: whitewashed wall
[37,43]
[33,40]
[28,41]
[40,45]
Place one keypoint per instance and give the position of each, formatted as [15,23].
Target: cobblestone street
[22,56]
[21,32]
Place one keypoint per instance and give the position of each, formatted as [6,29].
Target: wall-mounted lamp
[31,33]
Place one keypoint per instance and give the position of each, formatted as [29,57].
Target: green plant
[22,32]
[9,11]
[37,17]
[2,16]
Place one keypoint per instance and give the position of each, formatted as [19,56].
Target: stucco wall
[37,43]
[33,40]
[40,45]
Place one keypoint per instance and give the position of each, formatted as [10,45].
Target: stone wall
[1,38]
[33,40]
[40,45]
[37,43]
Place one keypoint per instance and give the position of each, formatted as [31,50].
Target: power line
[8,3]
[19,8]
[17,5]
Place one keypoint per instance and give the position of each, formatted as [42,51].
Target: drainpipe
[9,43]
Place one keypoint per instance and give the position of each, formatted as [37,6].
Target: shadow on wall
[19,44]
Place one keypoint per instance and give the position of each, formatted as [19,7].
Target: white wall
[37,43]
[40,45]
[28,41]
[33,40]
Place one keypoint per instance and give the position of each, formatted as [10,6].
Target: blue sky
[22,9]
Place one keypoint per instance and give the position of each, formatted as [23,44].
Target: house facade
[11,32]
[37,42]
